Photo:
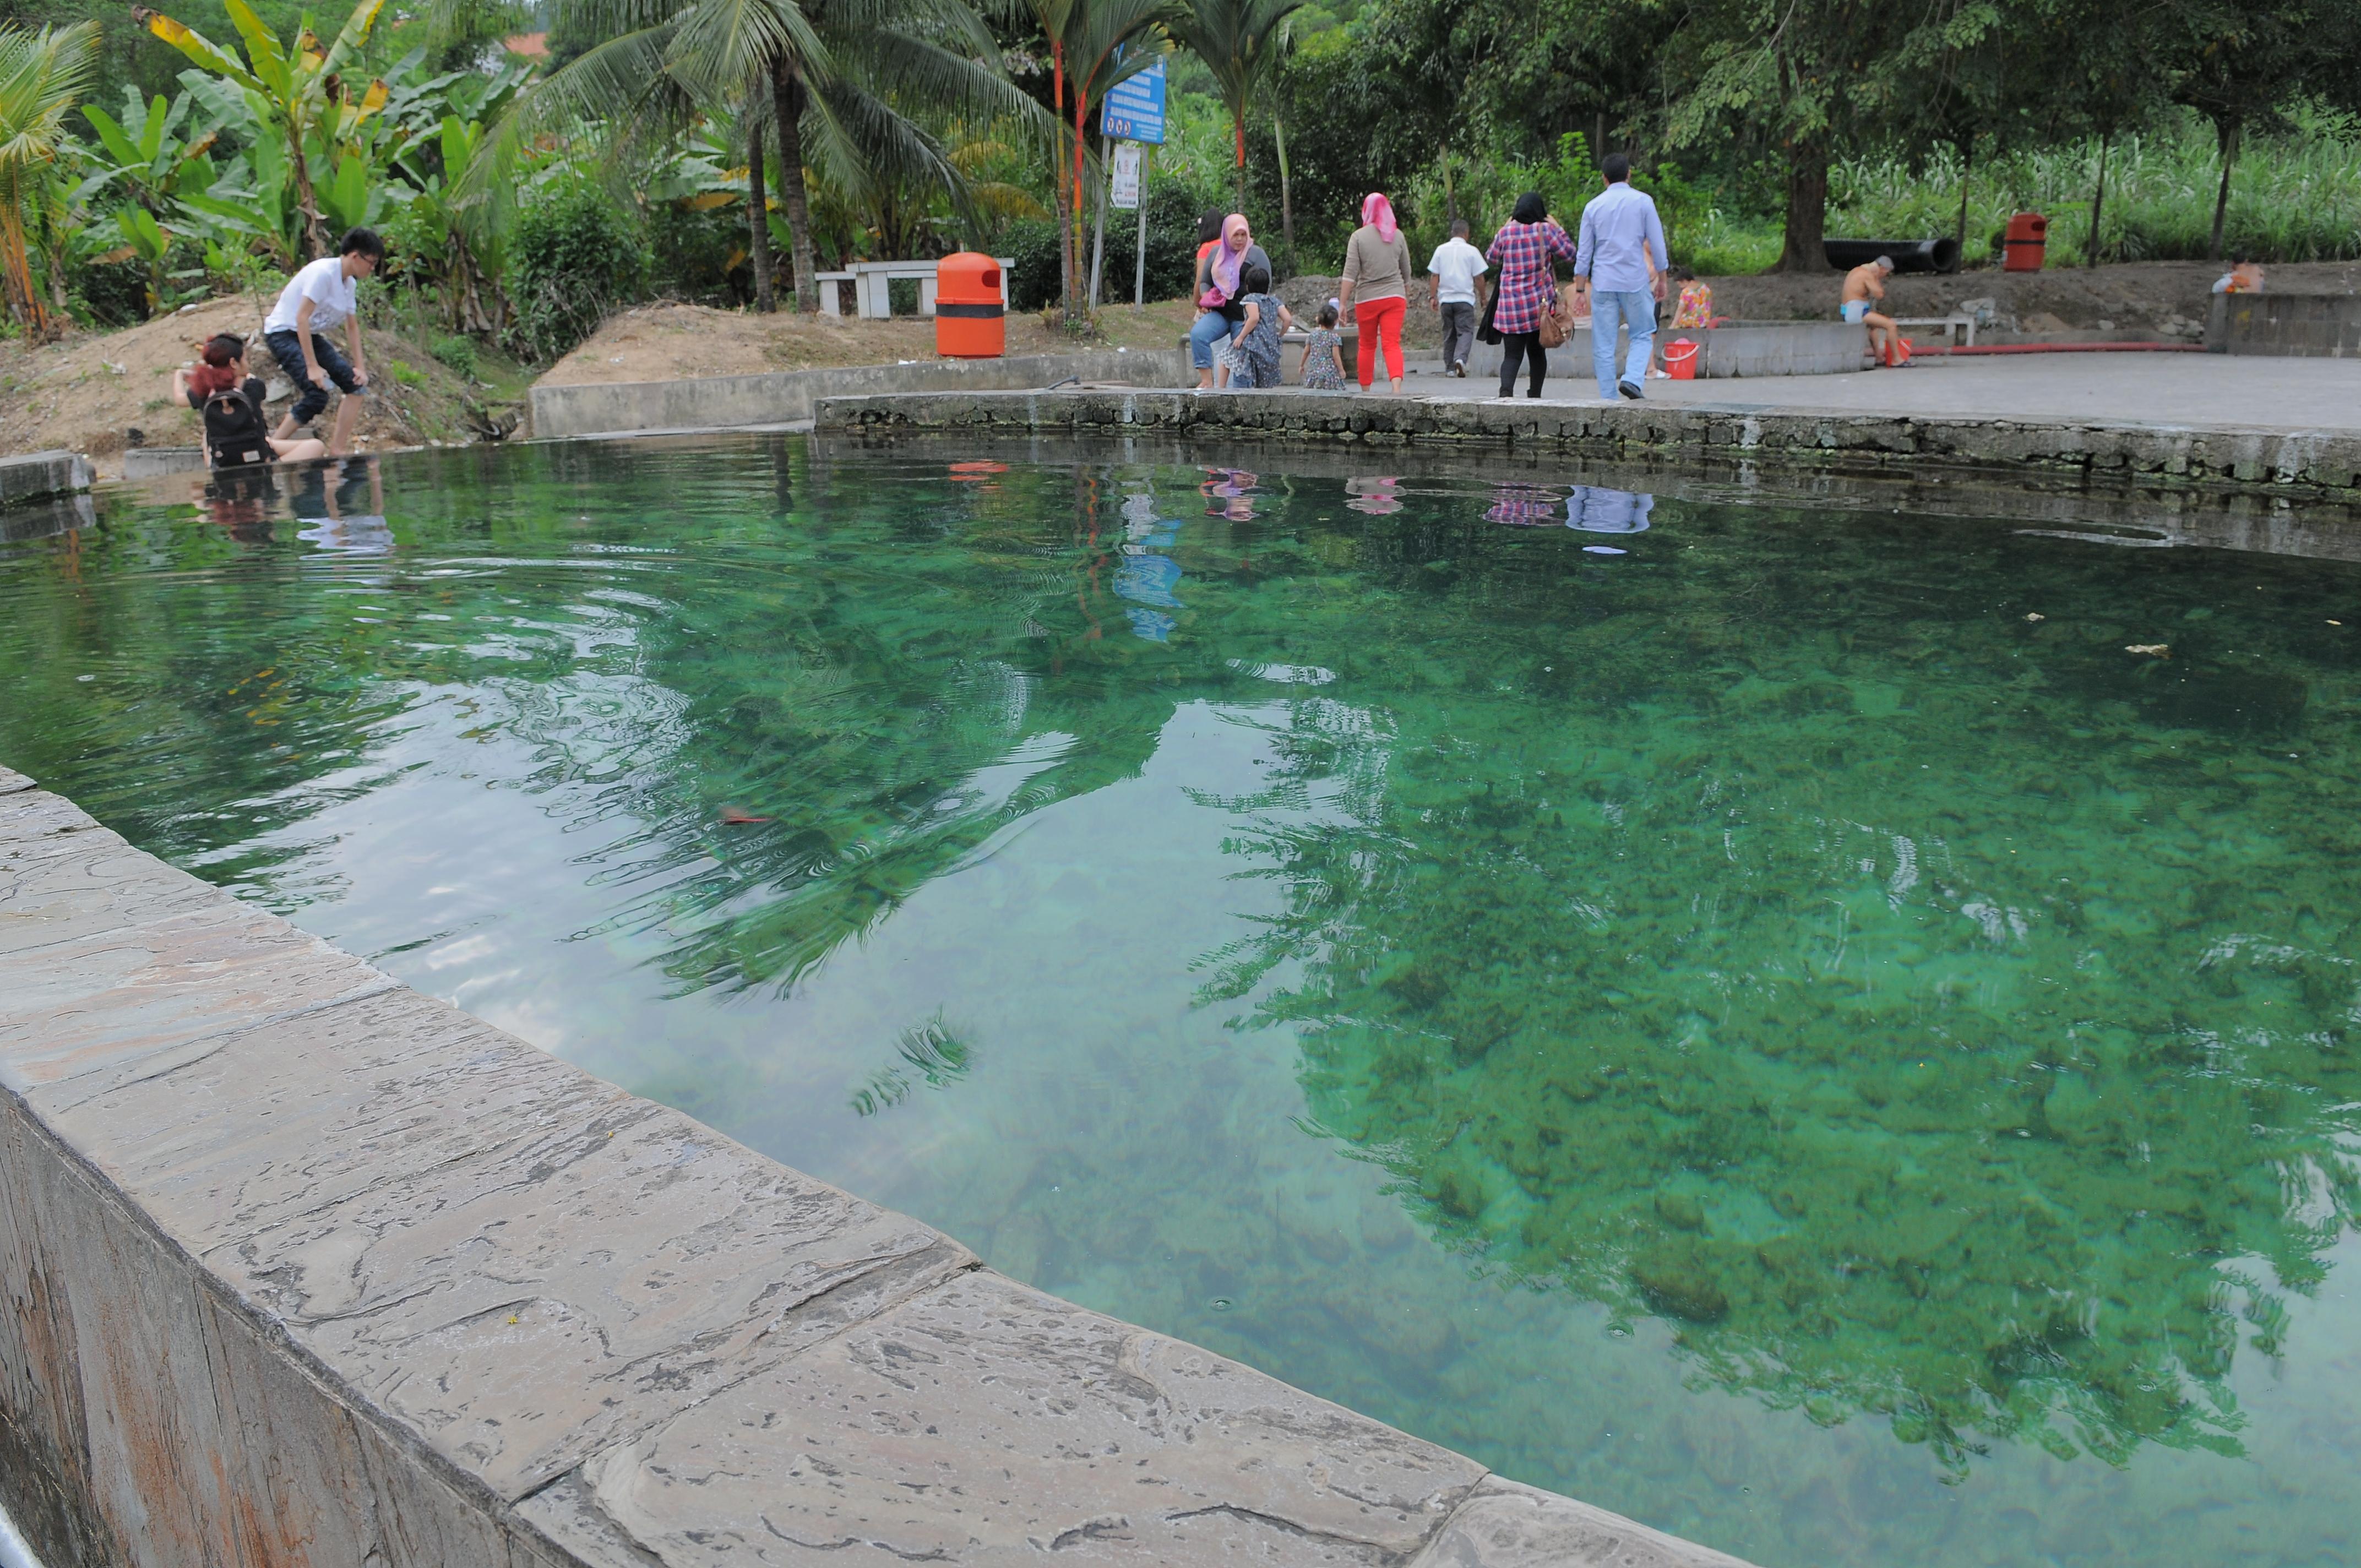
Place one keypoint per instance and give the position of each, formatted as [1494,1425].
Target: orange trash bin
[2027,245]
[971,322]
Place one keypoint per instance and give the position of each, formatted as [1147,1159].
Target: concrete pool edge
[2312,463]
[302,1265]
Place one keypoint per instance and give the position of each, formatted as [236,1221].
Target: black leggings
[1525,345]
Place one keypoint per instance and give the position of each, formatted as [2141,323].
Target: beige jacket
[1376,270]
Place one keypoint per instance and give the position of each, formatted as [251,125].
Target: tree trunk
[1802,250]
[2222,198]
[758,221]
[1238,126]
[307,202]
[1286,196]
[24,303]
[1966,184]
[1067,260]
[2098,202]
[1450,197]
[1078,311]
[787,109]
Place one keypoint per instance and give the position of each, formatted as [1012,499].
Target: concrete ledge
[2298,326]
[2303,462]
[1736,348]
[42,476]
[154,461]
[718,403]
[303,1268]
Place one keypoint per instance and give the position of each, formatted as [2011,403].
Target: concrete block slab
[1505,1524]
[39,476]
[987,1423]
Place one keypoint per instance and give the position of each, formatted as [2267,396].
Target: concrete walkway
[2211,390]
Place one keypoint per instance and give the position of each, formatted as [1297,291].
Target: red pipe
[2066,348]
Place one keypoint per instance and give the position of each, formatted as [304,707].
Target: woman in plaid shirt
[1522,252]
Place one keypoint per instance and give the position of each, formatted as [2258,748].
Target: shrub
[701,255]
[574,256]
[406,373]
[458,352]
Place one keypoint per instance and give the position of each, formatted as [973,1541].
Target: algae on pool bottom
[1755,1032]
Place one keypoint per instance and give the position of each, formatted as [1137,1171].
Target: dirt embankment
[2149,297]
[669,341]
[100,393]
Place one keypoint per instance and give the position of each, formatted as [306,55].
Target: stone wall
[721,402]
[2303,326]
[301,1268]
[2309,463]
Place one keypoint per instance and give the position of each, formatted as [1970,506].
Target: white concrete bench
[872,285]
[1956,328]
[831,304]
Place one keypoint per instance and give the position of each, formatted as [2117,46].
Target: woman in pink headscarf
[1377,269]
[1219,312]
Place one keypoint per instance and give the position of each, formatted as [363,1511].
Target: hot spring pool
[1788,1030]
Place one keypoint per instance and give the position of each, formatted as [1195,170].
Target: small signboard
[1135,107]
[1126,193]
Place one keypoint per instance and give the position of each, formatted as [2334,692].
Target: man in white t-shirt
[320,294]
[1455,266]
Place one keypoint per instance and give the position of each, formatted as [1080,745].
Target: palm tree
[41,74]
[832,73]
[1241,42]
[1093,44]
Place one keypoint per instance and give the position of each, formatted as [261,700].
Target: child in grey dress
[1323,355]
[1253,355]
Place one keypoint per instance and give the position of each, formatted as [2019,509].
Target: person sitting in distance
[1864,287]
[230,402]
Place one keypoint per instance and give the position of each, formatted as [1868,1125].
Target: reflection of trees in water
[1877,1003]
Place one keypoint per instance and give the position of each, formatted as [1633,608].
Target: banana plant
[142,155]
[296,89]
[150,243]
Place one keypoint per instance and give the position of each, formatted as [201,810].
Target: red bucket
[1680,359]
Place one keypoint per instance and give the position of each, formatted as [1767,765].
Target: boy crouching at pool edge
[320,295]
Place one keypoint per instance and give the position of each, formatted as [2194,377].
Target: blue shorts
[1852,310]
[288,349]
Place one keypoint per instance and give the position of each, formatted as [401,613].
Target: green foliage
[407,374]
[1172,214]
[458,352]
[575,256]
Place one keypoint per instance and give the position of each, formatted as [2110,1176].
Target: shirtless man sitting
[1864,286]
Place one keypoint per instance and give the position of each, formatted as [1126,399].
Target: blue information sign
[1135,107]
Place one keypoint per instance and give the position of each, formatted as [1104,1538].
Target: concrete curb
[721,402]
[2302,462]
[301,1267]
[43,476]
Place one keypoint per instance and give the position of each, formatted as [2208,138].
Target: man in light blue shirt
[1621,252]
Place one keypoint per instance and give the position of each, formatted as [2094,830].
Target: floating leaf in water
[733,818]
[2161,649]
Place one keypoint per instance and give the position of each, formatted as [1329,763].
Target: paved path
[2210,389]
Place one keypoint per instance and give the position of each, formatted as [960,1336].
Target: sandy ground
[91,392]
[666,342]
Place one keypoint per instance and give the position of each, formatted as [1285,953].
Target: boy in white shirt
[320,294]
[1455,265]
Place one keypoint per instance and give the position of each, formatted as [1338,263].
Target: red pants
[1377,316]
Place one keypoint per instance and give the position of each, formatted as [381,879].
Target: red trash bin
[2027,245]
[969,321]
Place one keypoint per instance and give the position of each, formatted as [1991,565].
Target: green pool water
[1789,1031]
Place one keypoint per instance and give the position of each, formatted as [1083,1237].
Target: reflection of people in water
[1376,496]
[1523,506]
[1146,579]
[342,507]
[239,502]
[1594,508]
[1229,492]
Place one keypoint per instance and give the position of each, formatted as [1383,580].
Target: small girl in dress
[1253,355]
[1323,355]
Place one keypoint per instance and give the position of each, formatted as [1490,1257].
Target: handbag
[1554,328]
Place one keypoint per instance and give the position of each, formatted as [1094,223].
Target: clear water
[1789,1031]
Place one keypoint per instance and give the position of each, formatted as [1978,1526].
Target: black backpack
[234,429]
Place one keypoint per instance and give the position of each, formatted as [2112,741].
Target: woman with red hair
[1377,268]
[230,400]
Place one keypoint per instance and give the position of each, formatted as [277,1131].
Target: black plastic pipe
[1909,254]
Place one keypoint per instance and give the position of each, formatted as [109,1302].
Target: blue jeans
[1212,328]
[1635,308]
[288,350]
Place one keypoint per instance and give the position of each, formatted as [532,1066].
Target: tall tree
[42,73]
[845,80]
[1242,42]
[1093,44]
[2241,65]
